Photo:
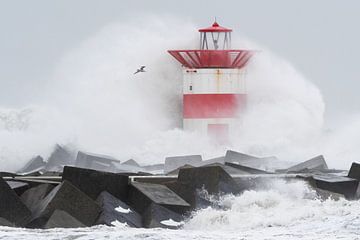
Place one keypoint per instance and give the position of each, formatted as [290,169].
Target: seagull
[141,69]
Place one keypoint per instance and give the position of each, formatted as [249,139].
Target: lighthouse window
[190,88]
[215,40]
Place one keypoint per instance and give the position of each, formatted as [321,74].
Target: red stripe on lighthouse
[213,105]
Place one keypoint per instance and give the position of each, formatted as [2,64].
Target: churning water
[287,211]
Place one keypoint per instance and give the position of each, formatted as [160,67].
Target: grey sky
[321,38]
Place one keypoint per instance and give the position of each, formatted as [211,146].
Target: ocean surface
[286,211]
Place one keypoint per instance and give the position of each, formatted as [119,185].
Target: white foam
[123,210]
[291,206]
[119,225]
[172,223]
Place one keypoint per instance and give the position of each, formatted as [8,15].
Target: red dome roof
[215,28]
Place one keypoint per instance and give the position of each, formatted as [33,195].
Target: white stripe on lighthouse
[214,81]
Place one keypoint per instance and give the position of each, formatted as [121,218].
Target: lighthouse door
[219,132]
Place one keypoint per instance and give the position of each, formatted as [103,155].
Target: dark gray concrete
[248,170]
[7,174]
[6,223]
[59,158]
[256,182]
[316,163]
[36,164]
[18,187]
[266,163]
[189,194]
[154,179]
[95,161]
[213,179]
[175,172]
[141,195]
[172,163]
[93,182]
[11,207]
[325,195]
[62,219]
[115,210]
[68,198]
[156,216]
[355,171]
[229,169]
[34,195]
[342,185]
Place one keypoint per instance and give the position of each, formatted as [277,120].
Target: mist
[94,102]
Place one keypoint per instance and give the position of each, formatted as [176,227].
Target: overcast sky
[321,38]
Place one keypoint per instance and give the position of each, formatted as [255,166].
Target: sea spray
[286,204]
[96,103]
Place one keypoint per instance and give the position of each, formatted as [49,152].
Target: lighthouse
[214,86]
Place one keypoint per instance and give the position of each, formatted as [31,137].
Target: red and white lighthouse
[214,87]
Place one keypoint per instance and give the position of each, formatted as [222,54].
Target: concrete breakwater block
[6,223]
[59,158]
[354,171]
[52,174]
[172,163]
[126,168]
[248,170]
[35,164]
[7,174]
[62,219]
[324,194]
[95,161]
[18,187]
[131,162]
[213,179]
[342,185]
[316,163]
[11,207]
[70,199]
[266,163]
[157,216]
[228,169]
[33,196]
[156,180]
[220,160]
[155,168]
[141,195]
[93,182]
[115,210]
[255,182]
[189,194]
[176,171]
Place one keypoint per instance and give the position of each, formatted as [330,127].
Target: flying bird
[141,69]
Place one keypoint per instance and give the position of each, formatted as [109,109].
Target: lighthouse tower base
[213,99]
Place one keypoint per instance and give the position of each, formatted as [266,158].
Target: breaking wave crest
[287,209]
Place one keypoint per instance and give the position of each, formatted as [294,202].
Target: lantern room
[215,51]
[215,38]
